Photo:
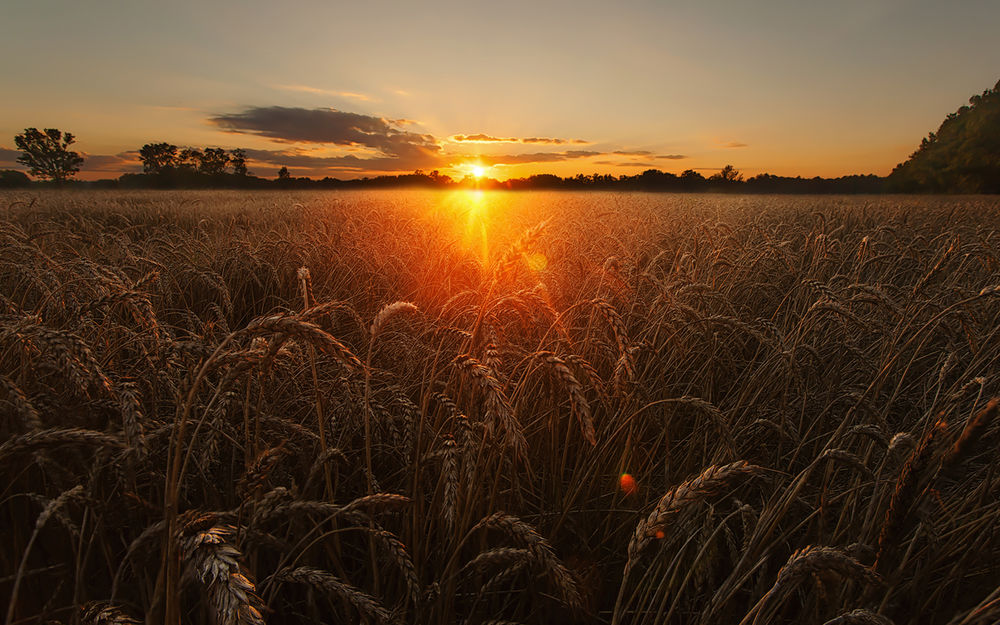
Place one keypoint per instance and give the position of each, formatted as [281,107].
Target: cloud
[485,138]
[624,163]
[327,125]
[8,157]
[481,138]
[536,157]
[671,157]
[633,152]
[553,141]
[736,144]
[112,163]
[396,149]
[348,164]
[331,92]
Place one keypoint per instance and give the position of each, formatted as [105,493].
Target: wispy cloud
[736,144]
[482,138]
[633,152]
[485,138]
[535,157]
[345,164]
[624,163]
[112,163]
[671,157]
[8,157]
[330,92]
[554,141]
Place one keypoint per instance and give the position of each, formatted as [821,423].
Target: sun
[478,171]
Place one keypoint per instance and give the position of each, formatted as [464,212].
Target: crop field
[484,407]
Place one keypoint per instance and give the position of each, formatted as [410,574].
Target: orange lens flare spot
[628,484]
[537,262]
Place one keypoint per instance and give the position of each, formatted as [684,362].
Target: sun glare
[478,171]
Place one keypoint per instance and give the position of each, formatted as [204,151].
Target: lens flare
[536,261]
[628,484]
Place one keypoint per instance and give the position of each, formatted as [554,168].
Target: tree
[189,159]
[47,154]
[962,156]
[728,174]
[283,173]
[238,158]
[213,161]
[157,158]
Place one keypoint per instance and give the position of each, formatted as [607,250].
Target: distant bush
[13,179]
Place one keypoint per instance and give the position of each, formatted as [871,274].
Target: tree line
[963,156]
[48,156]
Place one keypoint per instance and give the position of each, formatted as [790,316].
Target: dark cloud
[545,140]
[8,157]
[536,157]
[112,163]
[736,144]
[349,164]
[624,163]
[483,138]
[633,152]
[671,157]
[552,141]
[327,125]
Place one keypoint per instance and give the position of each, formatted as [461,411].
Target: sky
[351,89]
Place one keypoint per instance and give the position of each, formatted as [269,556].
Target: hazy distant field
[419,406]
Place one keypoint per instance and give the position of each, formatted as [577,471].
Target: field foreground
[431,407]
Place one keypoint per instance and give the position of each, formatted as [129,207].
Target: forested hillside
[963,156]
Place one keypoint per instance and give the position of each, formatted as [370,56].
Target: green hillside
[963,156]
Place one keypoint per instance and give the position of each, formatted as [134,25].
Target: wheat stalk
[331,584]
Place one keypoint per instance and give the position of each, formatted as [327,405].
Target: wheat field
[465,407]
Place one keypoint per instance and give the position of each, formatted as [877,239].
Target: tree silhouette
[157,158]
[11,179]
[213,161]
[189,159]
[238,158]
[728,174]
[47,154]
[283,174]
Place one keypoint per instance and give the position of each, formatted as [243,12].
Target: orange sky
[355,89]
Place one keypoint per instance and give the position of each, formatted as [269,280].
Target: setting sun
[478,171]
